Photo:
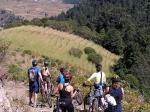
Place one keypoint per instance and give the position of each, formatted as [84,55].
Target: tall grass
[56,44]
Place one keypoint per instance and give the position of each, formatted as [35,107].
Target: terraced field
[30,9]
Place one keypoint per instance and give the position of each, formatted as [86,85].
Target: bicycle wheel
[79,98]
[44,96]
[95,106]
[49,99]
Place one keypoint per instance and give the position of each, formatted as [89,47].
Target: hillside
[122,27]
[56,44]
[30,9]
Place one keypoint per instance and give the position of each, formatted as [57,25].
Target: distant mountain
[7,17]
[30,9]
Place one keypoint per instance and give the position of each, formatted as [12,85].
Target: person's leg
[70,108]
[30,93]
[45,86]
[30,97]
[119,108]
[36,91]
[35,99]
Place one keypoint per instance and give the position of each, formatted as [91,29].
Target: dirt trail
[16,99]
[18,96]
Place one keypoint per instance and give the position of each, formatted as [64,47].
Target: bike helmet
[45,63]
[67,76]
[34,63]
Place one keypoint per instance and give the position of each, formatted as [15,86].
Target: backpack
[32,74]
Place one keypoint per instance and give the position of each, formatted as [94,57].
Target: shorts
[67,106]
[46,78]
[34,87]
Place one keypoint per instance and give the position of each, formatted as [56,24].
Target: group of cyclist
[113,94]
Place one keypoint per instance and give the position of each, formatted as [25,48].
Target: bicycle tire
[44,96]
[95,107]
[49,100]
[79,98]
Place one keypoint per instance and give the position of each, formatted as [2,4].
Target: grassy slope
[55,44]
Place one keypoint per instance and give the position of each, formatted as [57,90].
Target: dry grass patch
[56,44]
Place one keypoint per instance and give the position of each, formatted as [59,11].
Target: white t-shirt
[110,99]
[97,77]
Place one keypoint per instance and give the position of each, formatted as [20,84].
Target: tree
[113,41]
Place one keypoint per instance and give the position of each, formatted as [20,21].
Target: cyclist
[46,74]
[99,77]
[60,78]
[33,75]
[99,82]
[66,92]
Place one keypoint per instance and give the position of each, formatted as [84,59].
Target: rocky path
[17,93]
[4,102]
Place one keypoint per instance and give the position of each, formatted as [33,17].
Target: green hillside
[56,44]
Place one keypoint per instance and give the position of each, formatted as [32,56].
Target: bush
[94,58]
[75,52]
[133,81]
[4,45]
[27,52]
[89,50]
[17,73]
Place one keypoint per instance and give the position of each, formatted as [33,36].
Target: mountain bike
[57,105]
[78,97]
[47,94]
[93,101]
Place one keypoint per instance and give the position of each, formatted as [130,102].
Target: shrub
[4,45]
[17,73]
[46,57]
[133,81]
[89,50]
[94,58]
[27,52]
[75,52]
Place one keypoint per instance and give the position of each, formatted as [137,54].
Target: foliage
[71,1]
[4,45]
[29,52]
[125,28]
[75,52]
[133,81]
[89,50]
[94,58]
[113,41]
[16,73]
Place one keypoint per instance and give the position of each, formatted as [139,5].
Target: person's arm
[104,78]
[48,72]
[91,77]
[73,93]
[28,76]
[40,75]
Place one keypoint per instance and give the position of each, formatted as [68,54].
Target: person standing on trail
[60,78]
[66,92]
[46,74]
[117,92]
[99,77]
[34,74]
